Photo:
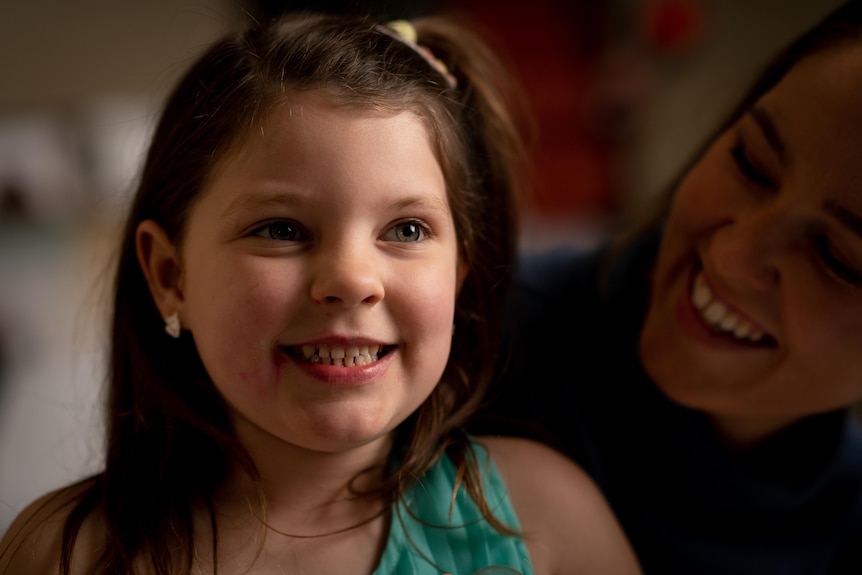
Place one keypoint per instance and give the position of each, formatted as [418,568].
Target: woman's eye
[283,231]
[406,232]
[835,264]
[748,168]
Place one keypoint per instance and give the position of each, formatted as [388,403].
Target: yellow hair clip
[405,31]
[403,28]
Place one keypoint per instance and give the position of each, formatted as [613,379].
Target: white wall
[61,53]
[80,84]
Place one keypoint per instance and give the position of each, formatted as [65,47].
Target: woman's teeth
[719,317]
[344,356]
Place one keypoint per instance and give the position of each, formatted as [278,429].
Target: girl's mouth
[338,355]
[722,319]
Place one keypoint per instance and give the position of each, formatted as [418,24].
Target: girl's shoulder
[566,523]
[33,543]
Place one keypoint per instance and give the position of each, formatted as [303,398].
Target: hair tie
[404,31]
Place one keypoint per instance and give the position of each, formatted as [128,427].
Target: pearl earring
[172,325]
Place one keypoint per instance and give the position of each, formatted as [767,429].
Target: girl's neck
[306,487]
[301,515]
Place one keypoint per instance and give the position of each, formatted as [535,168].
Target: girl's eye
[748,168]
[282,230]
[835,264]
[407,232]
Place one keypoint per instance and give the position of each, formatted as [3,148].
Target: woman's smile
[722,318]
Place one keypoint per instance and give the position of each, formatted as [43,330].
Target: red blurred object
[673,26]
[553,51]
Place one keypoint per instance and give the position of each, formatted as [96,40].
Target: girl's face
[319,275]
[756,306]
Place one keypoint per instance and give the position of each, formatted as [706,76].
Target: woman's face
[756,306]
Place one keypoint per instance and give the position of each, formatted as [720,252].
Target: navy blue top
[792,505]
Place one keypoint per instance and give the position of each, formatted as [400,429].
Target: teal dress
[453,538]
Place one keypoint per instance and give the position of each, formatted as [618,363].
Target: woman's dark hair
[170,442]
[841,27]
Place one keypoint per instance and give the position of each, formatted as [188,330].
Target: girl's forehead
[321,105]
[301,121]
[292,137]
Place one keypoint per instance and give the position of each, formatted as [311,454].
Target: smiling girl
[306,313]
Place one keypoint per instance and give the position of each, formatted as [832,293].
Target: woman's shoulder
[33,542]
[566,522]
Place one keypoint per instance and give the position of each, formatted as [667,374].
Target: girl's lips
[357,366]
[707,319]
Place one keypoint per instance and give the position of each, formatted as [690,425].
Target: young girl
[306,311]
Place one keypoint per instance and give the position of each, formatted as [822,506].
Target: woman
[701,369]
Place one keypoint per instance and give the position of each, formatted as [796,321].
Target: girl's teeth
[348,356]
[718,316]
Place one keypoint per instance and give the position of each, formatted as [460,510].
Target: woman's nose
[748,249]
[347,275]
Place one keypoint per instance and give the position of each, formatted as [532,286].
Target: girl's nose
[347,276]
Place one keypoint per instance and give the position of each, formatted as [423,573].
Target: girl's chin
[335,432]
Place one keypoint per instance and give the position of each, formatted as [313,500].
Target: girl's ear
[159,260]
[463,270]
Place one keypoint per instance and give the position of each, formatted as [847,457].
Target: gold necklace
[336,532]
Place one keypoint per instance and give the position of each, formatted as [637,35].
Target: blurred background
[622,94]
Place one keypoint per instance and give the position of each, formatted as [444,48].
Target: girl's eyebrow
[430,202]
[845,216]
[764,120]
[254,200]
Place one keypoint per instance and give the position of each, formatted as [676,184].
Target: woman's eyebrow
[845,216]
[764,120]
